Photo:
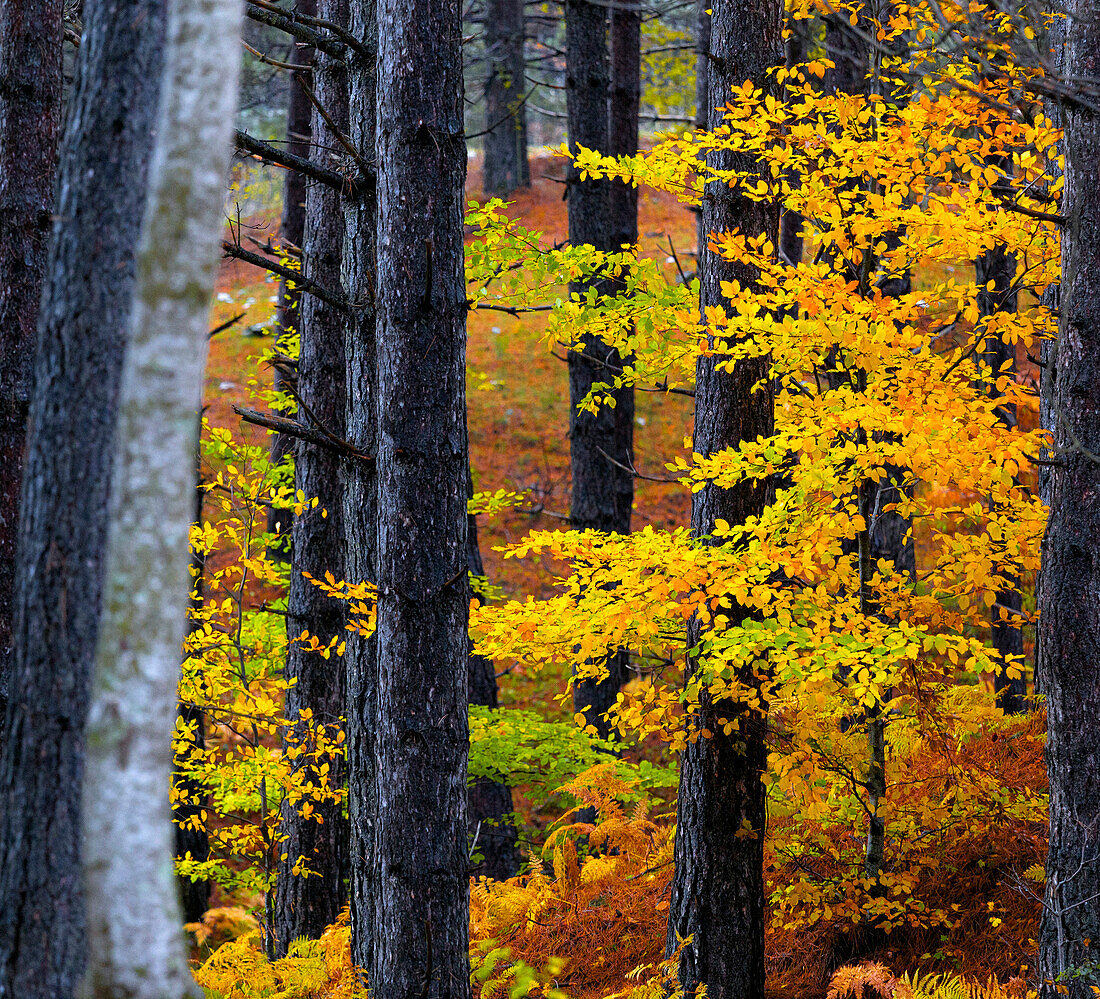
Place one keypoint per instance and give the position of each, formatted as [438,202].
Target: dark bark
[601,445]
[360,501]
[1008,637]
[492,829]
[1069,623]
[849,53]
[718,884]
[304,906]
[291,231]
[506,164]
[30,125]
[625,36]
[791,222]
[421,931]
[702,70]
[62,535]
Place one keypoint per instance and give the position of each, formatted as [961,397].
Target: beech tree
[506,164]
[718,884]
[1069,622]
[85,313]
[30,126]
[420,899]
[305,906]
[136,951]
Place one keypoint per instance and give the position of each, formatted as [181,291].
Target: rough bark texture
[492,830]
[30,125]
[1008,637]
[625,44]
[506,164]
[304,906]
[360,502]
[849,54]
[419,950]
[1069,624]
[421,931]
[602,491]
[291,234]
[791,222]
[718,884]
[82,329]
[137,951]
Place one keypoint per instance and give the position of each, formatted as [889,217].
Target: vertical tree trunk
[82,327]
[702,65]
[1069,623]
[30,123]
[360,499]
[288,313]
[1008,637]
[718,884]
[506,164]
[136,951]
[626,89]
[304,906]
[421,931]
[791,222]
[601,445]
[492,830]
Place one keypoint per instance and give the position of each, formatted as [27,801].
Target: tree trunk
[421,931]
[1008,637]
[299,141]
[304,906]
[360,499]
[718,884]
[1069,623]
[506,164]
[30,124]
[626,88]
[136,951]
[492,829]
[86,306]
[791,222]
[702,61]
[601,445]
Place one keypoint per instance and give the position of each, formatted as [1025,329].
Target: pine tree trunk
[30,125]
[718,884]
[136,951]
[506,164]
[86,306]
[304,906]
[791,222]
[421,932]
[1069,623]
[360,499]
[601,445]
[625,36]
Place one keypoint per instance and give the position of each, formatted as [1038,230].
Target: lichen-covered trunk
[304,906]
[30,125]
[136,951]
[601,444]
[718,883]
[1069,623]
[360,501]
[85,313]
[506,165]
[420,939]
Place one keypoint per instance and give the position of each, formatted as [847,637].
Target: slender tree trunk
[718,884]
[360,498]
[702,67]
[625,36]
[506,164]
[1069,623]
[791,222]
[291,235]
[86,306]
[492,830]
[304,906]
[1008,637]
[421,932]
[136,951]
[30,125]
[601,445]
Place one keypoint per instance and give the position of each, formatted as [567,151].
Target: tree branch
[292,428]
[291,161]
[306,284]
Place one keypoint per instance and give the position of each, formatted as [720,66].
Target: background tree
[506,165]
[421,903]
[135,951]
[30,126]
[718,884]
[1069,623]
[85,314]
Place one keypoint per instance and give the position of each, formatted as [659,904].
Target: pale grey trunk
[136,950]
